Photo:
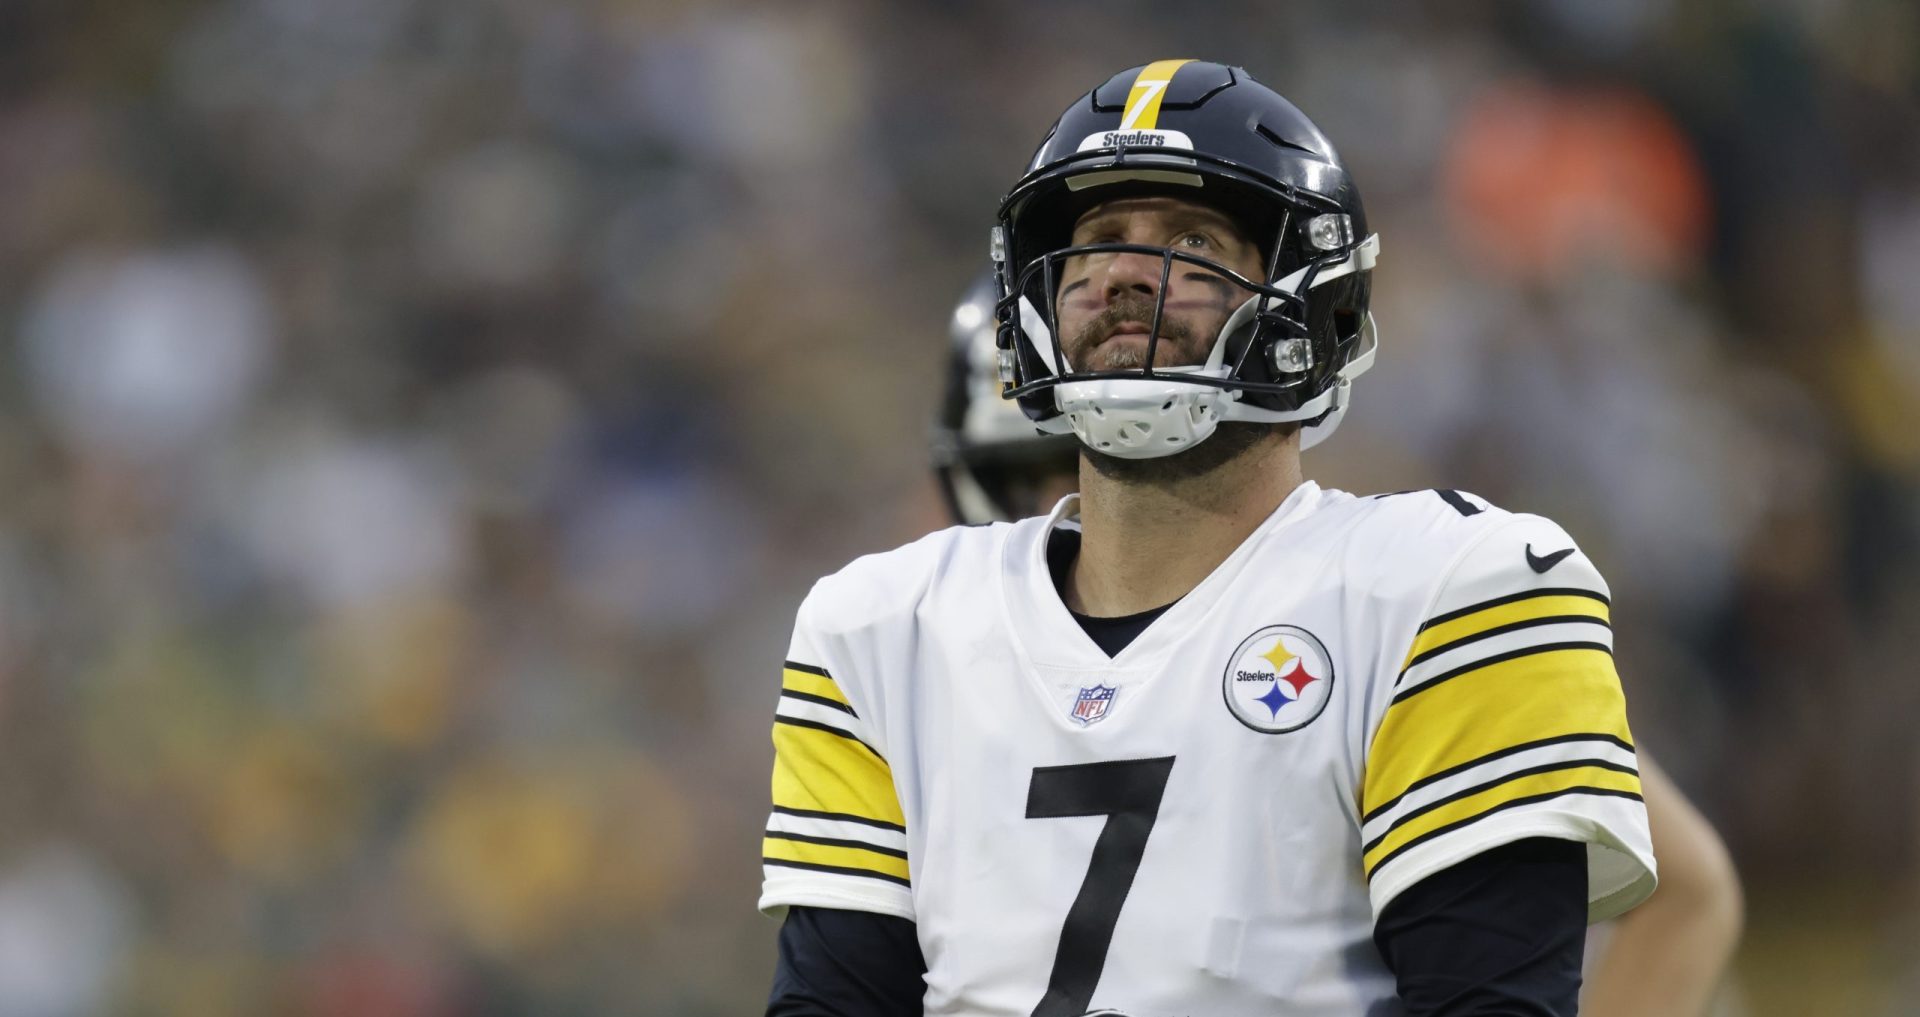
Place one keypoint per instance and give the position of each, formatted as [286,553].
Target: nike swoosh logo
[1542,564]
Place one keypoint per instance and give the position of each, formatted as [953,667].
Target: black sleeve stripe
[830,729]
[1503,806]
[1500,630]
[794,665]
[808,697]
[1499,658]
[1526,904]
[866,964]
[838,870]
[1412,814]
[861,845]
[1488,758]
[839,817]
[1558,591]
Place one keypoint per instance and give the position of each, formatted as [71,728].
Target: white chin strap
[1145,418]
[1340,395]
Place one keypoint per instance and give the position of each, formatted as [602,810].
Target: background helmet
[986,453]
[1211,134]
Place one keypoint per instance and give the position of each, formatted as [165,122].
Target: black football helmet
[1211,134]
[989,458]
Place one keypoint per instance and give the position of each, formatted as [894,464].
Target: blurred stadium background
[419,419]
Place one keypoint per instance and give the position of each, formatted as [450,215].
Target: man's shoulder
[874,588]
[1406,541]
[1436,511]
[1420,527]
[1411,540]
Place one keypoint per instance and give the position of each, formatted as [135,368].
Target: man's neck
[1146,544]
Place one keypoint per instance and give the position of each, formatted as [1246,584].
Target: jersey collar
[1045,630]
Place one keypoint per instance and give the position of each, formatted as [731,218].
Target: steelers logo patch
[1278,679]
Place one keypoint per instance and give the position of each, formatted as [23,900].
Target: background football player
[1111,758]
[1665,958]
[991,463]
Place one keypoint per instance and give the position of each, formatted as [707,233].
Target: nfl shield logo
[1093,702]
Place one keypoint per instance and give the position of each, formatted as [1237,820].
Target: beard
[1229,442]
[1175,347]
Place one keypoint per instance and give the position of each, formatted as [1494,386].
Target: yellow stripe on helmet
[1143,101]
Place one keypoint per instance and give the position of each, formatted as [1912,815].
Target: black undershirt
[1111,635]
[1498,935]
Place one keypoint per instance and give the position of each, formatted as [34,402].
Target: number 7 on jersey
[1128,793]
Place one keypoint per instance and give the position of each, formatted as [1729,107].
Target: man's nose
[1133,272]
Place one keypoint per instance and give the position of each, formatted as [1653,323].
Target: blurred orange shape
[1540,181]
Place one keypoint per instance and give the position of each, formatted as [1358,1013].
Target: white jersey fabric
[1370,689]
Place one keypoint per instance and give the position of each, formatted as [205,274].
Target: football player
[1207,739]
[991,463]
[1665,958]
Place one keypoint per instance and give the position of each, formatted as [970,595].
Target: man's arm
[835,852]
[1500,789]
[1498,934]
[836,963]
[1667,956]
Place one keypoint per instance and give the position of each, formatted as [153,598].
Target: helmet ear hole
[1346,323]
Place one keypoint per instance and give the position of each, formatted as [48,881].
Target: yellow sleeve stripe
[1594,778]
[1143,99]
[813,684]
[1493,757]
[821,725]
[1418,816]
[1536,607]
[1539,693]
[825,770]
[1428,682]
[850,858]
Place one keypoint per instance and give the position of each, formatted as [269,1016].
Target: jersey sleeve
[836,837]
[1506,721]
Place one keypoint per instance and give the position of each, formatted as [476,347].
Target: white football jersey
[1370,689]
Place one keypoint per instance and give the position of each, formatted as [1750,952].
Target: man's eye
[1194,240]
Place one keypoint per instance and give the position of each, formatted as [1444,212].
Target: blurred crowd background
[420,418]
